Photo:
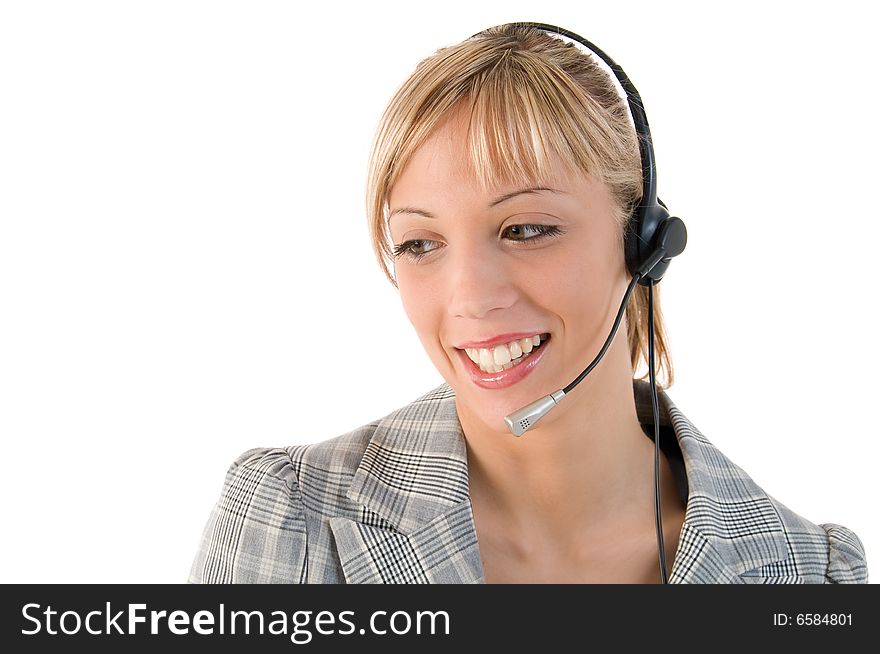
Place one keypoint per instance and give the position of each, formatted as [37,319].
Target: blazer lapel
[732,532]
[412,483]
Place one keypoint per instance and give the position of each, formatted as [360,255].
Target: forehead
[444,164]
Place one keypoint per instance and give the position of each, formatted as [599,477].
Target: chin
[480,405]
[488,406]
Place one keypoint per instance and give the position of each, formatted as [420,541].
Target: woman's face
[498,266]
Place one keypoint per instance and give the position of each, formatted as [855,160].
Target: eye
[412,249]
[540,230]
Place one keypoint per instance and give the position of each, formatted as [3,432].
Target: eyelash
[405,249]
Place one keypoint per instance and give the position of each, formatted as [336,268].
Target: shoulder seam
[246,460]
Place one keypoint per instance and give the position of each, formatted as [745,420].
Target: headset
[652,238]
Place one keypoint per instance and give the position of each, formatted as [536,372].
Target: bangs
[515,129]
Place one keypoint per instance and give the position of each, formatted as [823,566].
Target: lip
[505,378]
[498,340]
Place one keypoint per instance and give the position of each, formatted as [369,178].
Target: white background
[185,271]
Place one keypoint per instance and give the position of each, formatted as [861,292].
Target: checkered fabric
[388,503]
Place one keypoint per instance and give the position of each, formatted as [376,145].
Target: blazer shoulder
[816,553]
[847,563]
[270,524]
[341,454]
[256,532]
[324,467]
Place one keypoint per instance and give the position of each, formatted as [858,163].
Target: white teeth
[515,350]
[502,357]
[486,362]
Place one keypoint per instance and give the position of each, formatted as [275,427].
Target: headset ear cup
[668,240]
[641,240]
[673,237]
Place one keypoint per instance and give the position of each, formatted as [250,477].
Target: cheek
[424,312]
[573,292]
[581,285]
[419,304]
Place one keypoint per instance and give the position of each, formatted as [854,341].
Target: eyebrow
[495,202]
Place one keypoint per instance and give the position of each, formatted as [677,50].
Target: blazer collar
[417,525]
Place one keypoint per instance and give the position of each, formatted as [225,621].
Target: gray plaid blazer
[388,503]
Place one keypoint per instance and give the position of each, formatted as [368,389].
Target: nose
[478,283]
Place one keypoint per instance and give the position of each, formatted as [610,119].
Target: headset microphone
[653,237]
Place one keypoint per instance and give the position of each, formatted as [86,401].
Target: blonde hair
[530,94]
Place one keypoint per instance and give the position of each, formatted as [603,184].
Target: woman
[503,179]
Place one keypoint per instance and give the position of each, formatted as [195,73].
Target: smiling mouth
[509,355]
